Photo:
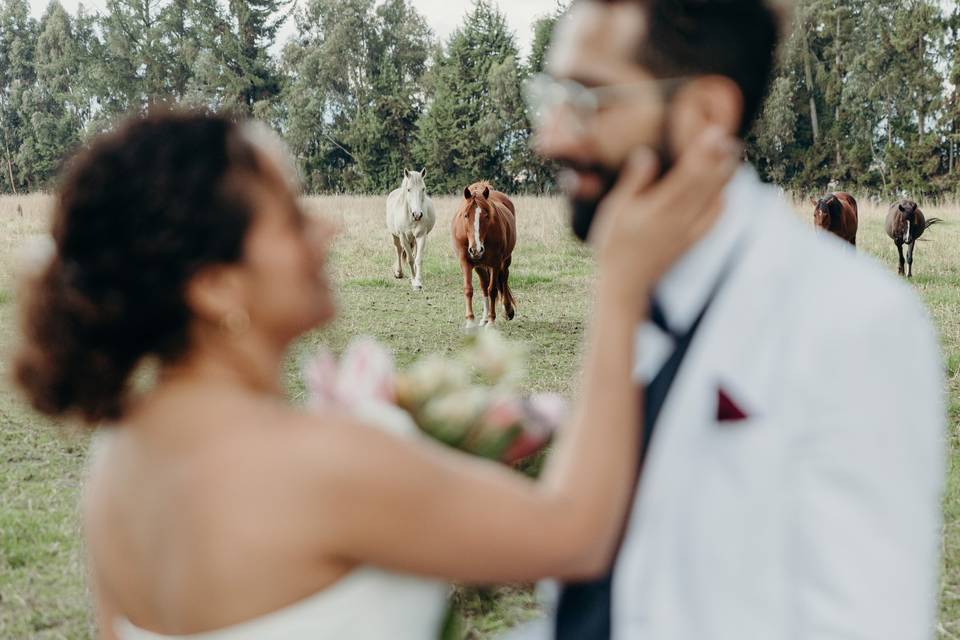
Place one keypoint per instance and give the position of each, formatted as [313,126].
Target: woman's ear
[215,292]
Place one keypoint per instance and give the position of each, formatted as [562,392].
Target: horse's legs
[504,285]
[493,288]
[418,261]
[467,269]
[409,247]
[910,258]
[486,284]
[398,270]
[900,269]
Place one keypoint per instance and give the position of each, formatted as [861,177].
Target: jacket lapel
[723,355]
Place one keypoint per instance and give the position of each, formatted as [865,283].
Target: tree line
[866,94]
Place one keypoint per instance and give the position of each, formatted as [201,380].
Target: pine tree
[468,133]
[54,112]
[952,116]
[18,42]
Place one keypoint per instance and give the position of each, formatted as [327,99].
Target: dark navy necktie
[584,610]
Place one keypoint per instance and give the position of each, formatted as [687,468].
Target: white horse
[410,217]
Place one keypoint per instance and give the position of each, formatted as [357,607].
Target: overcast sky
[443,15]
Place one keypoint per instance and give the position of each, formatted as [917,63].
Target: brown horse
[837,213]
[484,235]
[906,223]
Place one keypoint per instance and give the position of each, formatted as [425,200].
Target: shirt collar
[684,289]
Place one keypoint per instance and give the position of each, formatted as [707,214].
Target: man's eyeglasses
[543,94]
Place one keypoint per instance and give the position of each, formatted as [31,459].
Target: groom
[794,413]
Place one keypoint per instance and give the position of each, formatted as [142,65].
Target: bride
[216,510]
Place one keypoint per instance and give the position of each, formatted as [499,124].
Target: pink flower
[503,413]
[550,408]
[367,373]
[545,413]
[529,442]
[320,375]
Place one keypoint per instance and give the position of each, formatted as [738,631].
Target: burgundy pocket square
[727,409]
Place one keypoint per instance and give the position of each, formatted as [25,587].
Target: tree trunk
[808,74]
[839,74]
[13,185]
[921,110]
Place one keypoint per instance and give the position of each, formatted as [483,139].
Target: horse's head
[415,192]
[826,210]
[475,217]
[908,210]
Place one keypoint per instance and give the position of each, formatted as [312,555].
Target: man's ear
[712,100]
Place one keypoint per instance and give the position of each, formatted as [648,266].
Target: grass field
[42,592]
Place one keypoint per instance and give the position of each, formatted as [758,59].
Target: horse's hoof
[417,286]
[470,326]
[398,275]
[511,314]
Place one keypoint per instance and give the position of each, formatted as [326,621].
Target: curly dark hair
[137,214]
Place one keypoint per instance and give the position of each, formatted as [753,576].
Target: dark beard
[585,209]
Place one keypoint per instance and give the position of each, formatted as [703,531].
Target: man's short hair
[733,38]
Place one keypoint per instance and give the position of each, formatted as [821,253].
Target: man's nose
[560,133]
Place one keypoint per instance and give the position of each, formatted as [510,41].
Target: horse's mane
[477,187]
[477,190]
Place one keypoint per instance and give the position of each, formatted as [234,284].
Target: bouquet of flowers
[468,401]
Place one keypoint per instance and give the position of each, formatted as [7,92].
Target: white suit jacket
[817,516]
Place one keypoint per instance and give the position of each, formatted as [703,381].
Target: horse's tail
[931,222]
[509,302]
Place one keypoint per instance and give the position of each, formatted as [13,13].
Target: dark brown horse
[906,223]
[837,213]
[484,235]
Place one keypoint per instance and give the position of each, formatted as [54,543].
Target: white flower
[428,378]
[450,417]
[497,359]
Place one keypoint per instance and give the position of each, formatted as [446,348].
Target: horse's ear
[486,192]
[900,206]
[423,172]
[466,193]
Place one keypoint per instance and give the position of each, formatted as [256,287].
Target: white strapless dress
[366,604]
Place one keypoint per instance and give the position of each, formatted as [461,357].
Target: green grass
[42,590]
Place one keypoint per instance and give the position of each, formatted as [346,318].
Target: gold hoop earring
[235,322]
